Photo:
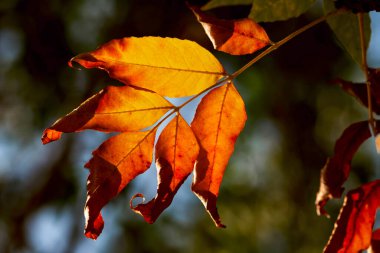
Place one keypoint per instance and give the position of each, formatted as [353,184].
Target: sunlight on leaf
[353,229]
[236,37]
[218,121]
[113,165]
[169,66]
[113,109]
[176,152]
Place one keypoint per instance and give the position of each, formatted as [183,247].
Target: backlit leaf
[113,109]
[218,121]
[275,10]
[236,37]
[337,168]
[346,29]
[176,152]
[113,165]
[168,66]
[353,229]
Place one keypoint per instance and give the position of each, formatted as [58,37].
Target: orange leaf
[337,168]
[353,229]
[113,109]
[219,119]
[168,66]
[113,165]
[176,152]
[236,37]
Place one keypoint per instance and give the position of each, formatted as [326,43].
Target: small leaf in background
[113,109]
[353,229]
[113,165]
[218,121]
[346,29]
[358,6]
[375,242]
[276,10]
[236,37]
[169,66]
[337,168]
[176,152]
[359,90]
[220,3]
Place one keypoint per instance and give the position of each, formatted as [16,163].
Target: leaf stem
[273,46]
[371,120]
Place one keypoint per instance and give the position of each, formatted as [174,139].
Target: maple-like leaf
[113,165]
[337,168]
[236,37]
[353,229]
[169,66]
[359,90]
[176,152]
[218,121]
[113,109]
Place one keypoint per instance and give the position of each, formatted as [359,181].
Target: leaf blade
[113,109]
[176,152]
[135,61]
[219,119]
[353,229]
[276,10]
[236,37]
[346,29]
[113,165]
[337,168]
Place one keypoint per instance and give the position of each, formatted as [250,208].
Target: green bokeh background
[267,197]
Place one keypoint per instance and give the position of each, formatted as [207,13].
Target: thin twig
[365,70]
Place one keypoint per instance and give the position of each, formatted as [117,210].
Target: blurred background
[267,196]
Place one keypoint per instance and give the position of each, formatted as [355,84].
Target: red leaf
[236,37]
[375,242]
[113,109]
[176,152]
[337,168]
[113,165]
[218,121]
[353,229]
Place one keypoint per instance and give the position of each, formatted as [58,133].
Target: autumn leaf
[169,66]
[176,152]
[337,168]
[113,165]
[375,242]
[236,37]
[353,229]
[219,119]
[359,90]
[113,109]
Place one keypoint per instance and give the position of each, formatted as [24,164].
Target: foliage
[183,68]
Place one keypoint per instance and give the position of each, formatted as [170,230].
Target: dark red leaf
[337,168]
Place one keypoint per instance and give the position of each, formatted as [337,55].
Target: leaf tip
[50,135]
[93,228]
